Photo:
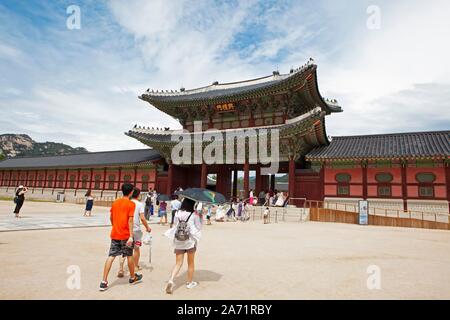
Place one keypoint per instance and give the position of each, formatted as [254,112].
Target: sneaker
[169,287]
[137,279]
[103,286]
[191,285]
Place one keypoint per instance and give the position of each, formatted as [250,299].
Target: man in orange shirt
[122,213]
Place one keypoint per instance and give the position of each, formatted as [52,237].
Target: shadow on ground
[199,276]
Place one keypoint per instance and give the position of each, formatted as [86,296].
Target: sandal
[169,287]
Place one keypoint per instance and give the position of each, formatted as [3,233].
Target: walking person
[148,205]
[175,205]
[266,215]
[185,234]
[240,208]
[154,202]
[89,204]
[261,197]
[267,200]
[139,216]
[122,221]
[251,197]
[19,199]
[162,213]
[208,216]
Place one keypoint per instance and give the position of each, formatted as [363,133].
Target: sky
[386,62]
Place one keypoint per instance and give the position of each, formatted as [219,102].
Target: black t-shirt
[21,196]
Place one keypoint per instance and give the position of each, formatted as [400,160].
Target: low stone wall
[70,195]
[389,206]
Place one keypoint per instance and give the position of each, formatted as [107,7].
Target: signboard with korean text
[363,206]
[226,107]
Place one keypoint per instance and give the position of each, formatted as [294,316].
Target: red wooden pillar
[272,182]
[235,181]
[119,180]
[258,180]
[169,180]
[56,179]
[91,178]
[104,180]
[364,179]
[135,177]
[25,183]
[447,182]
[246,179]
[322,182]
[36,172]
[77,186]
[44,183]
[404,186]
[204,176]
[291,186]
[67,179]
[10,178]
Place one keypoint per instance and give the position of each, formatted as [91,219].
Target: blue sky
[81,86]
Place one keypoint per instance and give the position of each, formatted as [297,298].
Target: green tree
[2,156]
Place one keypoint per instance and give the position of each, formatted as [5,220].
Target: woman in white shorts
[189,246]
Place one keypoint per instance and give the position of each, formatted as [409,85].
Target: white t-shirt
[175,204]
[140,208]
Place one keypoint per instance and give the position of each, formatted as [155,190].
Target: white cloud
[83,86]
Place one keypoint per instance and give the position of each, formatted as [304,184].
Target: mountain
[21,145]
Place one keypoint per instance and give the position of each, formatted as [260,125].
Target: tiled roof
[238,90]
[397,145]
[107,158]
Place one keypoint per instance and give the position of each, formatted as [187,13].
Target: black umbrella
[164,197]
[202,195]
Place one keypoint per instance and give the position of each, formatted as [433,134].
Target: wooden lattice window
[145,179]
[343,180]
[426,187]
[84,181]
[384,177]
[97,180]
[41,180]
[111,180]
[50,181]
[384,191]
[72,181]
[425,177]
[343,177]
[61,181]
[127,179]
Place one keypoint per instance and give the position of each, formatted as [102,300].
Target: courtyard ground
[235,260]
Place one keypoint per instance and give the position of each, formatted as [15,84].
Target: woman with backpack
[185,234]
[19,199]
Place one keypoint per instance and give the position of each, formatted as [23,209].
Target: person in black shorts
[19,199]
